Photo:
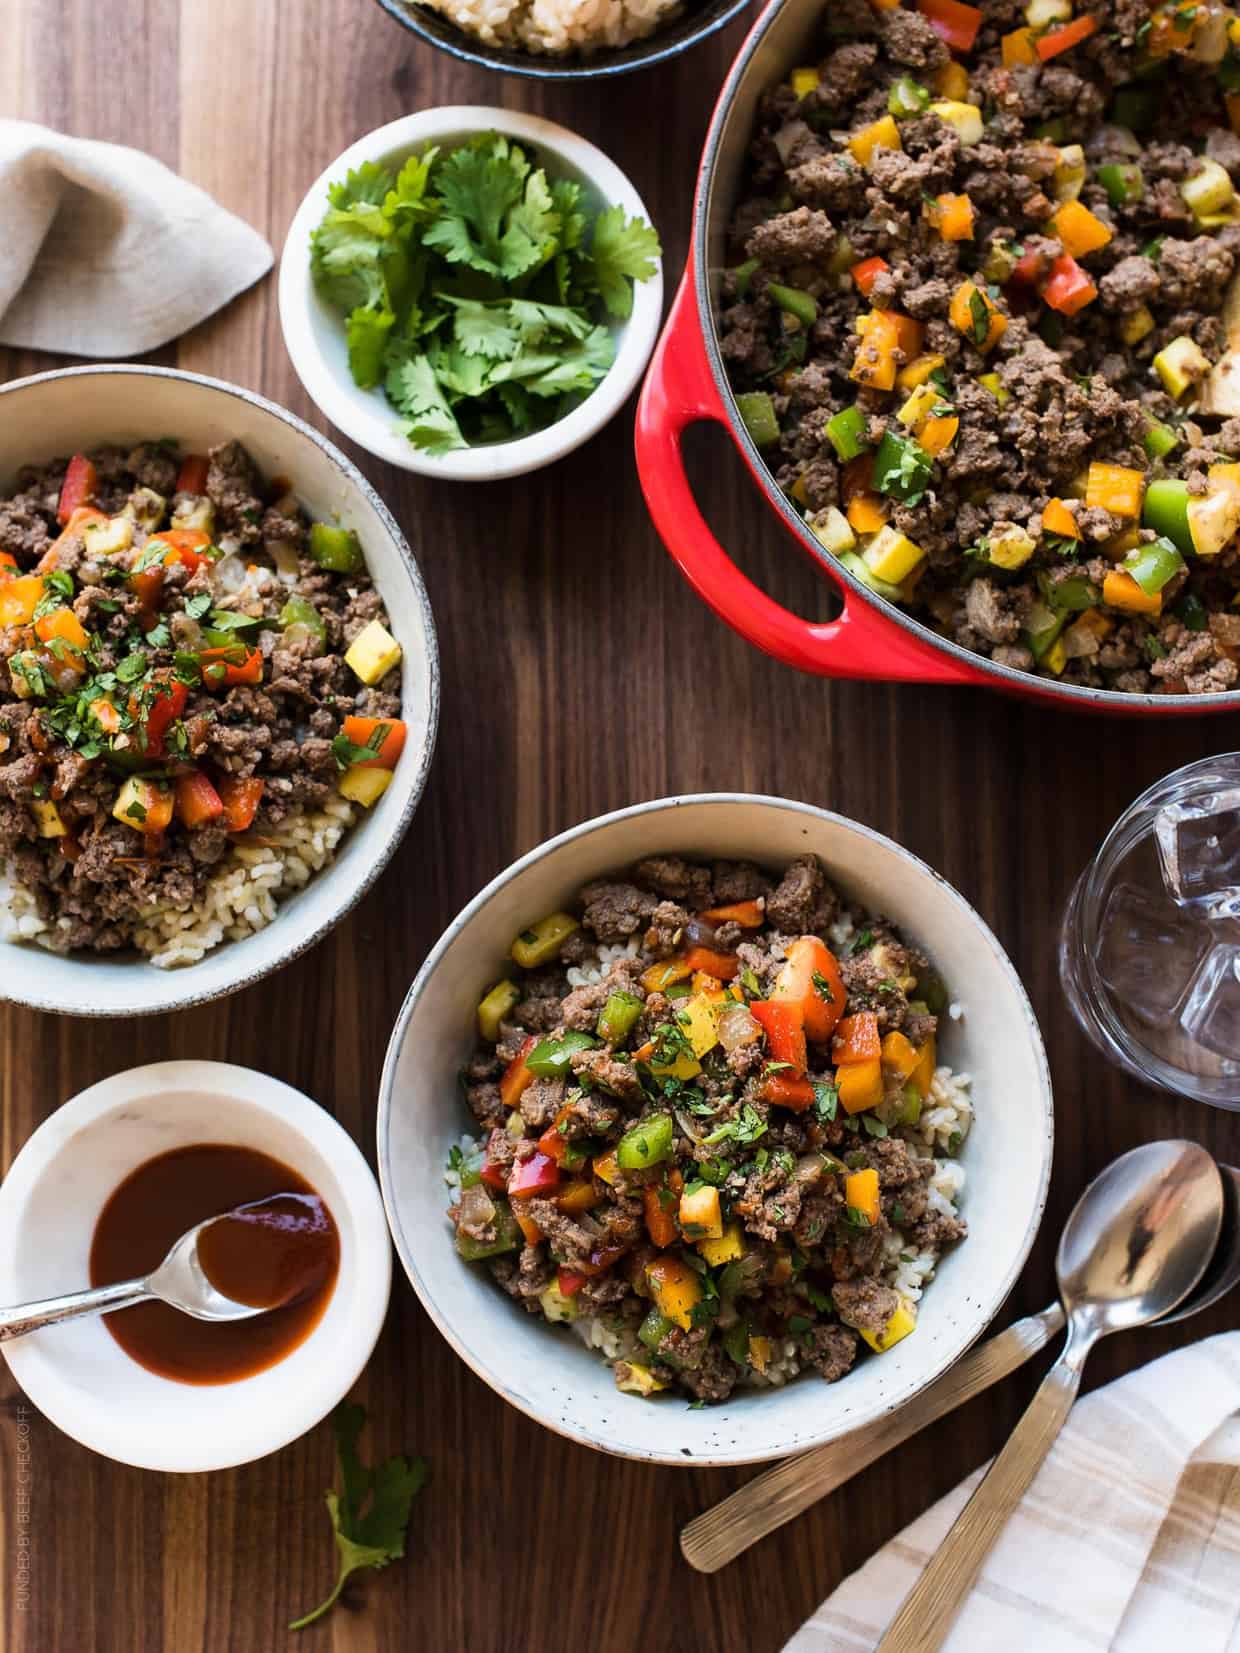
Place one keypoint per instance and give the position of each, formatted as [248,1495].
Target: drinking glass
[1149,953]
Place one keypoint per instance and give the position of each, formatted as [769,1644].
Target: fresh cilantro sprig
[370,1513]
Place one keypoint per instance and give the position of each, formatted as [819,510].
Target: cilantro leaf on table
[621,248]
[370,1514]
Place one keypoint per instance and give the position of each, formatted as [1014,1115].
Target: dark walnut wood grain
[580,674]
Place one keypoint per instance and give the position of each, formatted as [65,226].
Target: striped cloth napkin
[1129,1538]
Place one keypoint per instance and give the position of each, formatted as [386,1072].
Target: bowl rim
[954,1348]
[636,335]
[707,206]
[312,1123]
[15,990]
[645,53]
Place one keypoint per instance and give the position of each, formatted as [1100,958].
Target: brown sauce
[279,1245]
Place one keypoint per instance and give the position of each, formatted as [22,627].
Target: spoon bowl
[182,1283]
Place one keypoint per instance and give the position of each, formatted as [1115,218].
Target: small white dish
[77,1374]
[545,1371]
[314,332]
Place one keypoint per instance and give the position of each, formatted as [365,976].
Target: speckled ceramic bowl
[544,1370]
[59,413]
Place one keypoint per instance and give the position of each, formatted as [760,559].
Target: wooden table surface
[580,674]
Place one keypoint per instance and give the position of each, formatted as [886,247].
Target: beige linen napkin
[1129,1538]
[104,252]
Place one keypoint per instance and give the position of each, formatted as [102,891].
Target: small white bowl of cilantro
[471,292]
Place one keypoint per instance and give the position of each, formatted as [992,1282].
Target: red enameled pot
[687,382]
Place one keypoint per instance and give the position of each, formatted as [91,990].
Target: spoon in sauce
[245,1262]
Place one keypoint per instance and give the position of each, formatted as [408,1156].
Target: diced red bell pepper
[192,477]
[167,706]
[1068,288]
[867,272]
[785,1031]
[570,1281]
[241,799]
[362,730]
[601,1261]
[536,1175]
[553,1142]
[857,477]
[185,545]
[810,978]
[517,1078]
[750,915]
[1059,40]
[222,669]
[723,966]
[786,1090]
[79,487]
[197,800]
[660,1205]
[856,1039]
[146,587]
[954,23]
[494,1173]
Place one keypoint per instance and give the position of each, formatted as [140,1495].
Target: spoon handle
[719,1535]
[30,1317]
[931,1606]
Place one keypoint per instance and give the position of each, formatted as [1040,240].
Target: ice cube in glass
[1148,951]
[1211,1014]
[1199,852]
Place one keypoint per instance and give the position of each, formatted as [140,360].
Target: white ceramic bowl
[77,1374]
[314,332]
[58,413]
[544,1370]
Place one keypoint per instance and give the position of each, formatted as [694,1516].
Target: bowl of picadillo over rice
[218,689]
[714,1129]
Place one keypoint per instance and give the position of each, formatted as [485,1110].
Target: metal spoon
[179,1281]
[1141,1237]
[778,1495]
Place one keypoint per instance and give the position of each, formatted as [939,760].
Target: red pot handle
[862,643]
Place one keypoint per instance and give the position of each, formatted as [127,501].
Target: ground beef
[798,898]
[801,236]
[614,911]
[676,879]
[867,1305]
[832,1351]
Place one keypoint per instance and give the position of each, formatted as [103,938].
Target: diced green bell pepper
[862,571]
[470,1171]
[1042,627]
[508,1237]
[299,612]
[619,1016]
[743,274]
[846,432]
[1191,612]
[794,302]
[931,989]
[652,1331]
[551,1058]
[910,1109]
[907,97]
[1134,107]
[736,1343]
[1166,511]
[648,1143]
[1159,439]
[337,549]
[902,468]
[1054,130]
[757,410]
[678,990]
[1152,565]
[1123,182]
[1071,596]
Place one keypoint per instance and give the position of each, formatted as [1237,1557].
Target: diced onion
[228,575]
[477,1207]
[1112,140]
[737,1027]
[284,555]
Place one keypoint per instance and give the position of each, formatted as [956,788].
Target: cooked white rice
[557,27]
[241,896]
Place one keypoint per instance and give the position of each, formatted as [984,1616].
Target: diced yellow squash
[1213,520]
[834,530]
[902,1322]
[194,511]
[918,406]
[361,785]
[917,371]
[657,978]
[965,117]
[1040,14]
[1180,365]
[891,555]
[861,1192]
[1210,190]
[700,1214]
[496,1007]
[993,383]
[676,1289]
[48,818]
[759,1353]
[1010,546]
[632,1379]
[541,942]
[555,1306]
[1056,657]
[145,507]
[373,653]
[1225,475]
[144,805]
[1136,324]
[880,134]
[1069,174]
[105,539]
[699,1020]
[804,81]
[726,1249]
[684,1068]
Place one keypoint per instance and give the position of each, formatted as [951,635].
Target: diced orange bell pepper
[197,800]
[553,1142]
[192,477]
[659,1205]
[1079,230]
[723,966]
[867,272]
[1120,590]
[952,216]
[810,978]
[955,24]
[970,307]
[898,1055]
[516,1078]
[80,519]
[19,598]
[241,799]
[530,1231]
[657,978]
[861,1193]
[923,1073]
[106,716]
[62,624]
[577,1197]
[866,513]
[860,1085]
[387,747]
[952,82]
[856,1039]
[785,1031]
[185,545]
[1058,519]
[1068,288]
[887,339]
[8,565]
[606,1167]
[79,487]
[937,434]
[1115,488]
[1018,49]
[786,1090]
[750,915]
[222,668]
[1060,40]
